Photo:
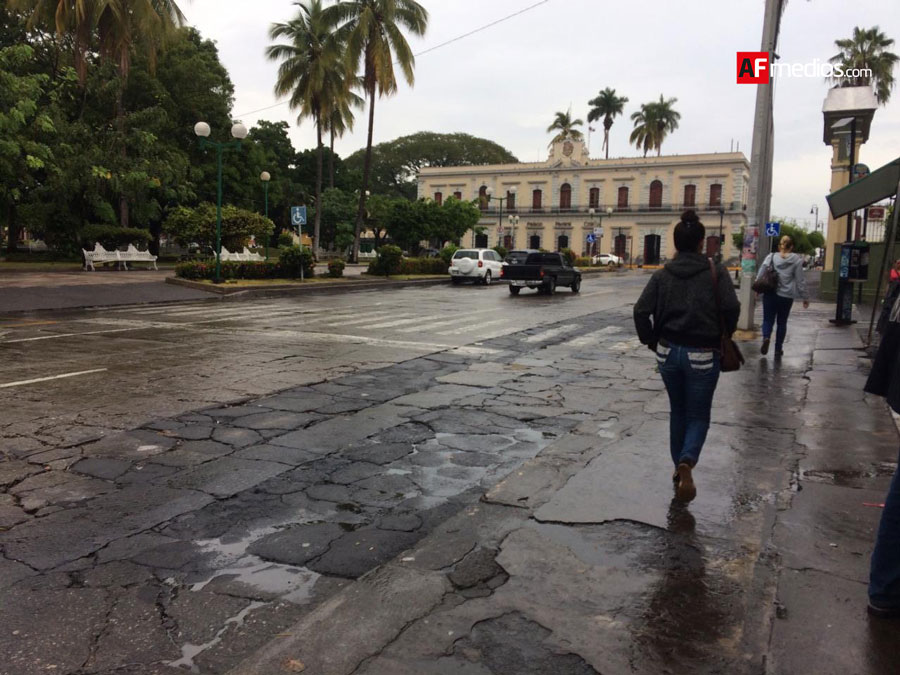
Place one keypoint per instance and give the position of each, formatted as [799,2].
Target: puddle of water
[190,652]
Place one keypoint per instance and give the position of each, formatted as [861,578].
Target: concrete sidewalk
[580,562]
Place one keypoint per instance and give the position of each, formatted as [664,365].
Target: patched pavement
[502,509]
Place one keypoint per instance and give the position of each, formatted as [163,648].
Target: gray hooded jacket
[791,278]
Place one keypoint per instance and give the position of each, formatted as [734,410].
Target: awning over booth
[878,185]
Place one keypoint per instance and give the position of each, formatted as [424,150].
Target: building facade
[630,206]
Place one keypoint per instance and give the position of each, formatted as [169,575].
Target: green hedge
[112,237]
[423,266]
[335,268]
[230,270]
[388,262]
[291,260]
[582,262]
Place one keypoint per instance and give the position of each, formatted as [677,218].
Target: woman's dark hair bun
[689,217]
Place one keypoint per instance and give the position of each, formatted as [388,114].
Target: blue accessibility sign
[773,229]
[298,215]
[591,238]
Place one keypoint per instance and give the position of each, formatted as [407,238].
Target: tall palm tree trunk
[123,151]
[318,220]
[367,168]
[331,162]
[607,125]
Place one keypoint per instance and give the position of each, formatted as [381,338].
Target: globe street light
[265,177]
[513,223]
[238,132]
[490,192]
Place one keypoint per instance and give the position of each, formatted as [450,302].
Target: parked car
[482,265]
[543,271]
[429,253]
[606,259]
[518,257]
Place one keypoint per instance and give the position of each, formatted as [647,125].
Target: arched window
[690,195]
[594,198]
[623,198]
[656,193]
[482,197]
[715,194]
[458,195]
[565,196]
[439,197]
[510,200]
[562,242]
[536,199]
[534,241]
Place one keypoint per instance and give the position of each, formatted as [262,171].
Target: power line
[431,49]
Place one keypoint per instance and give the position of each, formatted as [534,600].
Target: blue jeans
[774,306]
[690,376]
[884,575]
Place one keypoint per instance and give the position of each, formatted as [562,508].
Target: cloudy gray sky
[506,82]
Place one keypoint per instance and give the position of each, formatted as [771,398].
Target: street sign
[591,239]
[773,229]
[876,213]
[598,231]
[298,216]
[860,171]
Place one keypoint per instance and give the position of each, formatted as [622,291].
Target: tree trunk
[318,220]
[12,229]
[123,151]
[331,162]
[367,167]
[607,125]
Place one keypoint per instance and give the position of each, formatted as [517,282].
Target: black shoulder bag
[731,358]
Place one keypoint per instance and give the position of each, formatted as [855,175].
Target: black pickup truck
[543,271]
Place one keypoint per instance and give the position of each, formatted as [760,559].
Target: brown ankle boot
[685,489]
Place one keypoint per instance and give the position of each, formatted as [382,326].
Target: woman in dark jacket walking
[677,316]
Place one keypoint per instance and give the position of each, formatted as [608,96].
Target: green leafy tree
[606,105]
[867,50]
[338,210]
[457,218]
[27,131]
[652,123]
[564,125]
[198,225]
[312,74]
[395,164]
[372,31]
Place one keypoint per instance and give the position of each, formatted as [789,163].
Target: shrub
[447,253]
[285,240]
[335,268]
[501,250]
[582,262]
[388,261]
[423,266]
[189,225]
[230,270]
[112,237]
[569,255]
[293,258]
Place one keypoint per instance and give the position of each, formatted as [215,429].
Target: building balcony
[600,210]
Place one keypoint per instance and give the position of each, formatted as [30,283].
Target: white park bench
[246,256]
[121,258]
[367,255]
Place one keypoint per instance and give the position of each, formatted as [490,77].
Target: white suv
[479,264]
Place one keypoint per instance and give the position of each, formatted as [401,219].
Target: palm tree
[565,125]
[341,119]
[371,31]
[607,105]
[867,50]
[652,123]
[311,73]
[120,26]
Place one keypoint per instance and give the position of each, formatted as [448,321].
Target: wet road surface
[230,474]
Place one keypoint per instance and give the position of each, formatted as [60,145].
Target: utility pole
[761,159]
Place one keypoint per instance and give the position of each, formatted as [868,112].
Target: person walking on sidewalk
[677,317]
[884,572]
[791,286]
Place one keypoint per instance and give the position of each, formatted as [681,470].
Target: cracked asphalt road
[181,481]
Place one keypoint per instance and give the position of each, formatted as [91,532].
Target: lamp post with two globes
[238,132]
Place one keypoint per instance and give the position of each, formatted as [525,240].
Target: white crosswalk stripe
[472,328]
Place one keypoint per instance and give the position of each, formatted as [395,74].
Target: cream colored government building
[633,202]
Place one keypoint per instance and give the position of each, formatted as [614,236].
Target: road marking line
[470,329]
[400,322]
[52,377]
[63,335]
[551,333]
[466,317]
[27,323]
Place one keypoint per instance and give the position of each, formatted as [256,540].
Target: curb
[293,289]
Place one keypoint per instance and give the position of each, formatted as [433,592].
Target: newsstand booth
[866,263]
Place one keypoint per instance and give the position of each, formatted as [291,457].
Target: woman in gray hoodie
[791,286]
